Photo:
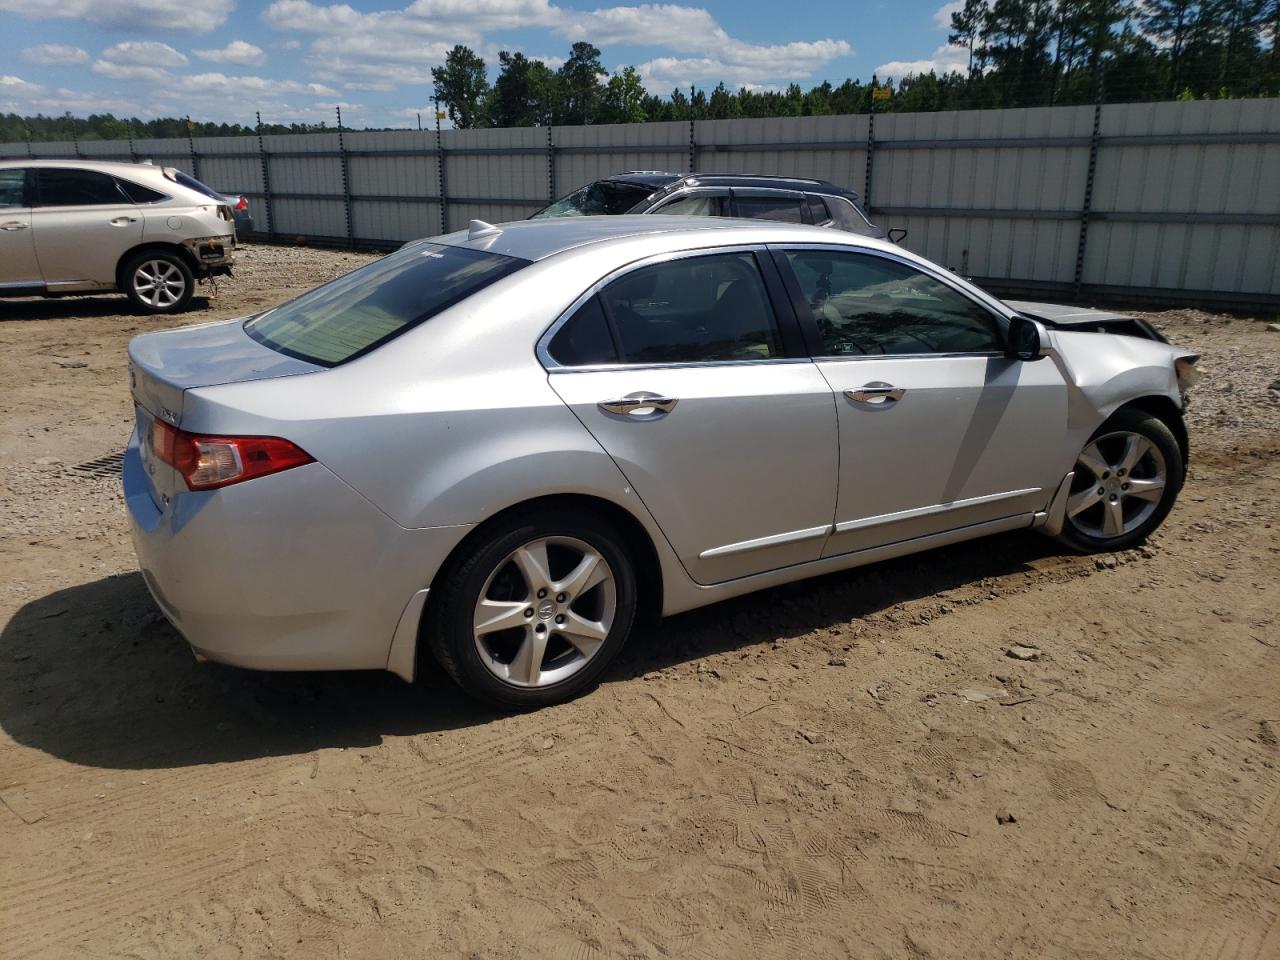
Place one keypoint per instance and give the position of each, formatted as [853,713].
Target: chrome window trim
[761,191]
[551,365]
[656,210]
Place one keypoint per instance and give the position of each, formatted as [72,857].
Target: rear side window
[12,191]
[693,310]
[140,194]
[849,216]
[818,212]
[57,187]
[585,339]
[784,208]
[365,308]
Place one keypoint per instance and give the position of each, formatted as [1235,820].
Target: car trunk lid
[164,365]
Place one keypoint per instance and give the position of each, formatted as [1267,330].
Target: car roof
[657,180]
[115,166]
[539,239]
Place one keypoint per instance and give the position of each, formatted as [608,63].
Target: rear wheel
[1126,480]
[158,282]
[535,611]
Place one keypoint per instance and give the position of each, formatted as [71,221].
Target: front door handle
[123,221]
[640,406]
[877,394]
[13,225]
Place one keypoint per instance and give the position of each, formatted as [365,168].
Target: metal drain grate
[101,468]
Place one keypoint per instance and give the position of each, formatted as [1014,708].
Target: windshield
[365,308]
[601,198]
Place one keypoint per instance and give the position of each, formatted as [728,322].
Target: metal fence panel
[1182,196]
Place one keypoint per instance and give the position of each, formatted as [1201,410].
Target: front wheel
[1126,480]
[159,282]
[535,610]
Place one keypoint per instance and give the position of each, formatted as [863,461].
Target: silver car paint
[457,420]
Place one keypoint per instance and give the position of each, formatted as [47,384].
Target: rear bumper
[294,571]
[212,255]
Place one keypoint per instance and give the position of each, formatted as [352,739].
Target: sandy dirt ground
[848,767]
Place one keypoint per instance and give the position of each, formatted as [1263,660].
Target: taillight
[206,463]
[242,204]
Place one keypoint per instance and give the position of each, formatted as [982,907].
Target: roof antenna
[478,230]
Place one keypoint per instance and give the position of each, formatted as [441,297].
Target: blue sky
[295,59]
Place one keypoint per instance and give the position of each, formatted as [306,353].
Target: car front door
[939,429]
[18,265]
[82,224]
[690,372]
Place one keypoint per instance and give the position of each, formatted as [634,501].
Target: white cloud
[55,54]
[60,101]
[146,16]
[239,52]
[942,16]
[487,14]
[15,86]
[289,45]
[144,53]
[944,60]
[129,71]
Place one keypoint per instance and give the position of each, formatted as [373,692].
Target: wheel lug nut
[1106,474]
[1124,486]
[542,593]
[541,628]
[560,618]
[1120,472]
[529,612]
[561,597]
[1101,491]
[1113,498]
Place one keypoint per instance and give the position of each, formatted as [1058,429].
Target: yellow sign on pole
[440,115]
[882,93]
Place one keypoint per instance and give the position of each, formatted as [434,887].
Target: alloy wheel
[1120,479]
[158,283]
[545,611]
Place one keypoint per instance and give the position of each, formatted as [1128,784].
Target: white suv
[78,226]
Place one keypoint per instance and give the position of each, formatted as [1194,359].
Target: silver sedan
[493,450]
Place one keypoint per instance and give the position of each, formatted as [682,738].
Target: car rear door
[18,265]
[938,428]
[689,371]
[767,203]
[82,224]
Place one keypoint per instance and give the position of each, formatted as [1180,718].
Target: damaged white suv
[79,226]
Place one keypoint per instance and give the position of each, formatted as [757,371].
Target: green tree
[463,85]
[580,85]
[623,99]
[966,26]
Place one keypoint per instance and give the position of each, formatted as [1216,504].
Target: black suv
[788,199]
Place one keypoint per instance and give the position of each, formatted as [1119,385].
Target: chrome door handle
[123,221]
[640,407]
[878,394]
[13,225]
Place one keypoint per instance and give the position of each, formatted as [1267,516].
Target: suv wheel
[535,611]
[159,282]
[1126,479]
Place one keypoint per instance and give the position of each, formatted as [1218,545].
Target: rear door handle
[877,394]
[123,221]
[640,406]
[13,225]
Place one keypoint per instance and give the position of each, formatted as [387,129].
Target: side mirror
[897,234]
[1027,339]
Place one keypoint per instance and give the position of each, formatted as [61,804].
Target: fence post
[191,149]
[346,179]
[693,143]
[551,167]
[75,138]
[871,146]
[133,153]
[444,193]
[1087,205]
[266,181]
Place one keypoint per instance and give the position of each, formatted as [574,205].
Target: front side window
[12,192]
[695,205]
[693,310]
[601,198]
[365,308]
[869,305]
[781,207]
[59,187]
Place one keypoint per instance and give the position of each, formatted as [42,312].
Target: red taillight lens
[242,204]
[206,463]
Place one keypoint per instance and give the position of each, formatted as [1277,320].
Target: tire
[1106,508]
[524,649]
[158,281]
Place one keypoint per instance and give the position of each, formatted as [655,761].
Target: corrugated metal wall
[1121,200]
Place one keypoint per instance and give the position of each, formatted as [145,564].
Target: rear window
[602,198]
[191,183]
[362,310]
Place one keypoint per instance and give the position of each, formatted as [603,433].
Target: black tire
[1076,533]
[448,628]
[176,272]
